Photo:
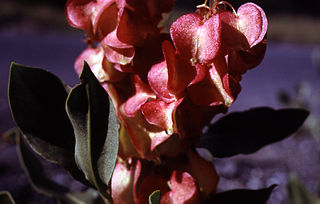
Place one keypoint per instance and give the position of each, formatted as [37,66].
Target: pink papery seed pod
[244,29]
[100,66]
[116,51]
[145,137]
[160,113]
[143,93]
[140,18]
[183,189]
[185,178]
[195,38]
[97,18]
[122,183]
[241,61]
[181,73]
[217,88]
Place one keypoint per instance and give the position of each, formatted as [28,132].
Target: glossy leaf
[6,198]
[37,101]
[155,197]
[247,196]
[248,131]
[96,129]
[297,193]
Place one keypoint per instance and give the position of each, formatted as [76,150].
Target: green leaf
[6,198]
[248,131]
[96,129]
[37,101]
[44,184]
[246,196]
[298,194]
[155,197]
[34,169]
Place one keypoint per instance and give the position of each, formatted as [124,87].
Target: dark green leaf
[37,101]
[36,173]
[298,194]
[248,131]
[246,196]
[96,129]
[6,198]
[155,197]
[44,184]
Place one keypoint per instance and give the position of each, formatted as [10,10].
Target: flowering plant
[132,127]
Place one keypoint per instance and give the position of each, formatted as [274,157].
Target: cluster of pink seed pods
[167,87]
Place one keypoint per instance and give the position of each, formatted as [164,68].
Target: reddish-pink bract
[184,189]
[197,39]
[245,30]
[142,95]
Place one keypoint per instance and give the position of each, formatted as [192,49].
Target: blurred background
[35,33]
